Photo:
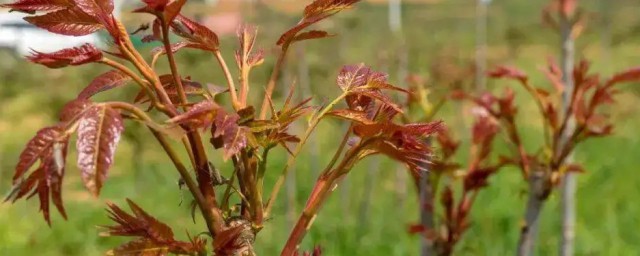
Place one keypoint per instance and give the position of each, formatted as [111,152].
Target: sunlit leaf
[71,22]
[510,73]
[351,76]
[104,82]
[71,56]
[352,115]
[173,10]
[630,75]
[233,136]
[50,147]
[312,34]
[38,5]
[96,8]
[201,114]
[315,12]
[73,109]
[201,36]
[140,247]
[37,148]
[155,237]
[99,132]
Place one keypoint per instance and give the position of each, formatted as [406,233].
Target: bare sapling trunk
[539,189]
[568,189]
[426,212]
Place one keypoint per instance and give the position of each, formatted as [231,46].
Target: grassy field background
[608,213]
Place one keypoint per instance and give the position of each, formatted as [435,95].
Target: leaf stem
[272,80]
[227,74]
[143,84]
[326,184]
[168,107]
[172,62]
[312,125]
[212,218]
[262,167]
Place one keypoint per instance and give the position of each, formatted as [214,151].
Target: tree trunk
[569,180]
[538,192]
[426,212]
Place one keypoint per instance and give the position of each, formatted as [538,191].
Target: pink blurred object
[223,23]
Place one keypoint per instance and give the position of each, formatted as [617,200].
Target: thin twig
[272,80]
[230,83]
[213,220]
[312,125]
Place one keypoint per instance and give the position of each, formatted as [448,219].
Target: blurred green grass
[607,220]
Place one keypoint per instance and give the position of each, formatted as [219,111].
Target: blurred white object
[21,37]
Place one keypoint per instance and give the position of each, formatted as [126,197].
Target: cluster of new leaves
[455,218]
[98,127]
[584,107]
[372,113]
[154,237]
[502,109]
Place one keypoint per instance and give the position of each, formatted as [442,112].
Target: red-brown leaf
[568,7]
[102,11]
[417,228]
[156,4]
[423,129]
[173,10]
[312,34]
[233,136]
[314,12]
[73,109]
[510,73]
[290,114]
[167,81]
[96,8]
[71,22]
[227,241]
[99,132]
[174,48]
[154,228]
[155,237]
[376,94]
[196,33]
[246,34]
[140,247]
[139,224]
[104,82]
[477,179]
[201,114]
[630,75]
[38,5]
[359,117]
[38,147]
[50,147]
[246,38]
[554,75]
[484,129]
[351,76]
[71,56]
